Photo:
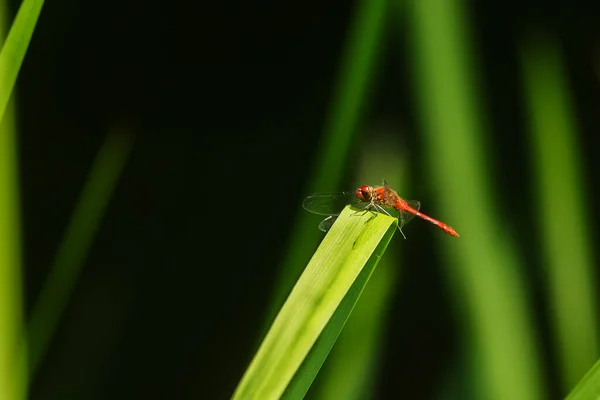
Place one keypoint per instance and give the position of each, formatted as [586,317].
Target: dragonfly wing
[328,203]
[326,224]
[406,216]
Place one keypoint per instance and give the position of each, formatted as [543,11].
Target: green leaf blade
[354,242]
[15,47]
[13,376]
[588,387]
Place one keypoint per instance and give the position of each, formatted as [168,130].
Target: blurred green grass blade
[13,376]
[352,367]
[483,268]
[349,99]
[568,241]
[15,46]
[589,386]
[355,79]
[347,255]
[76,242]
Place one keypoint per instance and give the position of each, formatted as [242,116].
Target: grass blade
[568,242]
[13,376]
[317,307]
[483,267]
[352,368]
[76,243]
[589,386]
[349,100]
[13,51]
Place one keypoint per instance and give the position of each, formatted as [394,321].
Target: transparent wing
[326,224]
[405,215]
[329,203]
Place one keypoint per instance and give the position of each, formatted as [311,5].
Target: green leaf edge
[588,387]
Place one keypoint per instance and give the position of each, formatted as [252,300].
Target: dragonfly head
[364,193]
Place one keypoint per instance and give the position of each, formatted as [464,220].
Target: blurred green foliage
[13,377]
[76,243]
[21,350]
[485,269]
[567,242]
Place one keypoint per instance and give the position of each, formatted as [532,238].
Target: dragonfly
[369,198]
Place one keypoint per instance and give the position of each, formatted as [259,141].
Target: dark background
[227,100]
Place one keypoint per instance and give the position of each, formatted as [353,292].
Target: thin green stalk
[76,243]
[13,379]
[13,376]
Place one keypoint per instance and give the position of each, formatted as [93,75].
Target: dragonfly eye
[364,193]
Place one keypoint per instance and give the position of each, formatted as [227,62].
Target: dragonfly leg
[365,209]
[400,229]
[383,210]
[374,214]
[368,208]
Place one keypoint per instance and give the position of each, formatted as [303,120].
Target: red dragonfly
[368,198]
